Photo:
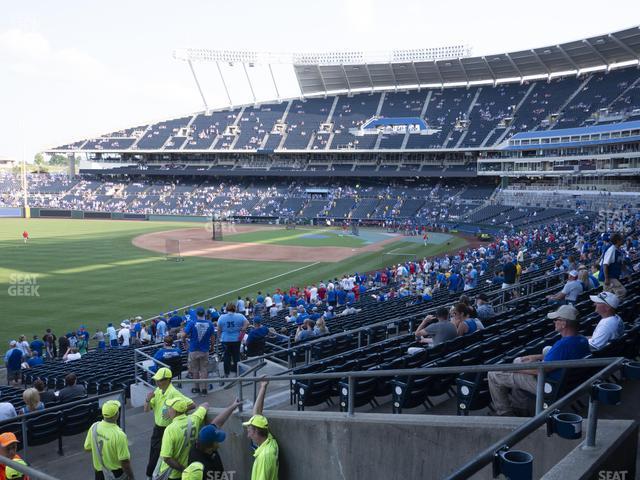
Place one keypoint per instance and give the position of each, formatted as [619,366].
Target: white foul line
[241,288]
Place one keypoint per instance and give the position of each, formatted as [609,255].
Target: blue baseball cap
[211,434]
[200,311]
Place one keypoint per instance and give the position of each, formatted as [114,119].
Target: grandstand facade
[475,143]
[545,111]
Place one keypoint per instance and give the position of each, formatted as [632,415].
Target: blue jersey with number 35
[231,324]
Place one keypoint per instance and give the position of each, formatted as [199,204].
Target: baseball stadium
[427,257]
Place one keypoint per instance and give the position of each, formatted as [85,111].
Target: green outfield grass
[281,236]
[408,250]
[88,272]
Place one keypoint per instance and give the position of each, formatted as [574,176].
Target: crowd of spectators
[434,201]
[586,258]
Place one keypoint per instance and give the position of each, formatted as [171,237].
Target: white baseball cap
[566,312]
[608,298]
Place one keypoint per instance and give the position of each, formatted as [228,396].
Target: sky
[76,69]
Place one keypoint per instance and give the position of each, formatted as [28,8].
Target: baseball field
[91,272]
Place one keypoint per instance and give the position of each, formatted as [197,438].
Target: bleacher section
[599,92]
[472,117]
[493,106]
[304,119]
[352,112]
[205,129]
[255,123]
[158,134]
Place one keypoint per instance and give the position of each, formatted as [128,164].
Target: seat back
[44,428]
[256,347]
[78,418]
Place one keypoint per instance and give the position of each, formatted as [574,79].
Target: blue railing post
[592,422]
[123,402]
[23,426]
[352,396]
[540,391]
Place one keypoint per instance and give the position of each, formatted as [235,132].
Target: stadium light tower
[231,57]
[314,59]
[23,173]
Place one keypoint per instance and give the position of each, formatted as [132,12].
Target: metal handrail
[486,456]
[22,468]
[138,364]
[23,419]
[58,406]
[240,377]
[411,372]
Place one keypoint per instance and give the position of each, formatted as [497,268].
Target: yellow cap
[179,404]
[110,408]
[257,421]
[195,471]
[162,373]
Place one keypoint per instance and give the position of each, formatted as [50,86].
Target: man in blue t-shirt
[571,346]
[277,299]
[302,315]
[161,329]
[175,321]
[454,282]
[341,296]
[35,360]
[13,362]
[231,327]
[240,304]
[37,345]
[293,301]
[83,333]
[167,354]
[200,334]
[255,336]
[314,314]
[331,297]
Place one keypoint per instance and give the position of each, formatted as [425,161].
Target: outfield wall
[83,215]
[11,212]
[37,212]
[177,218]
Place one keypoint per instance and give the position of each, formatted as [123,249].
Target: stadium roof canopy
[598,51]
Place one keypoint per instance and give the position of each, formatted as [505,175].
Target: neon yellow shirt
[173,439]
[11,473]
[157,403]
[115,448]
[265,463]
